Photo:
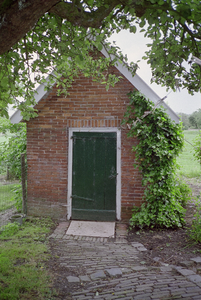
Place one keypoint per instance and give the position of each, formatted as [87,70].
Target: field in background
[189,167]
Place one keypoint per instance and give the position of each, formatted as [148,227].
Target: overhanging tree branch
[18,19]
[80,17]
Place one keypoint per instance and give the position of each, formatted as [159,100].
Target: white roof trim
[38,95]
[136,81]
[144,88]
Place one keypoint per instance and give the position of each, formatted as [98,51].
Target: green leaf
[142,23]
[100,47]
[133,29]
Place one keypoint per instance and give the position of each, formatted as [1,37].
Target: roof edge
[136,81]
[144,88]
[38,95]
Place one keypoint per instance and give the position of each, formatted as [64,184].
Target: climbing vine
[160,141]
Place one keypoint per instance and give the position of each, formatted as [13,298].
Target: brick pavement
[114,269]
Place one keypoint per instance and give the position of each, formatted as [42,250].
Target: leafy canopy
[41,37]
[12,148]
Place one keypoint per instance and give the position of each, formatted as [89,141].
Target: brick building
[80,163]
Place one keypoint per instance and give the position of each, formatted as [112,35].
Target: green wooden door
[94,176]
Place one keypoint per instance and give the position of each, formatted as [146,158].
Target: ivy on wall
[160,141]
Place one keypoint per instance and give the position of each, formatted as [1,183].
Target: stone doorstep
[91,229]
[120,232]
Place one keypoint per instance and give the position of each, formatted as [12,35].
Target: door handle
[113,176]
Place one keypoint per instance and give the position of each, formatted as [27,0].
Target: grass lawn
[5,196]
[23,252]
[189,167]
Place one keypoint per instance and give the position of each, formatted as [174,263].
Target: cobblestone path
[113,269]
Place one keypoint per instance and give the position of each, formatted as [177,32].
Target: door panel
[94,176]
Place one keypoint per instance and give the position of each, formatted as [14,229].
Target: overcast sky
[134,45]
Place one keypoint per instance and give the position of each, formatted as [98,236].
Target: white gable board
[136,81]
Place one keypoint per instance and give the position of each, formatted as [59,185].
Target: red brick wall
[88,104]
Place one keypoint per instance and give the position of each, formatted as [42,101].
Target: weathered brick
[87,105]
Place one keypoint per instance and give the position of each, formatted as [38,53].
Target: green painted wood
[94,176]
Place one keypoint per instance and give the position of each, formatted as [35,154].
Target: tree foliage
[195,119]
[184,118]
[54,37]
[192,121]
[11,150]
[160,140]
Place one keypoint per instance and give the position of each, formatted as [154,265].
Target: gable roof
[136,81]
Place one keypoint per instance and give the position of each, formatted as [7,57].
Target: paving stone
[79,293]
[73,279]
[185,272]
[197,259]
[144,289]
[156,259]
[160,295]
[196,297]
[125,270]
[93,257]
[142,249]
[186,284]
[81,297]
[143,297]
[97,275]
[177,291]
[127,285]
[189,295]
[166,268]
[136,245]
[186,263]
[195,278]
[53,235]
[114,272]
[146,285]
[84,278]
[139,247]
[139,268]
[120,241]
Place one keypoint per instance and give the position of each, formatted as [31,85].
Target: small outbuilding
[80,163]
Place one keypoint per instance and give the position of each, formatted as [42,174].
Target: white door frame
[118,167]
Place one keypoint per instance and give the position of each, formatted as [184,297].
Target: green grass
[23,253]
[189,167]
[6,196]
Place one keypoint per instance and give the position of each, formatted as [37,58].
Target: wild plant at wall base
[11,150]
[17,196]
[195,230]
[160,140]
[182,191]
